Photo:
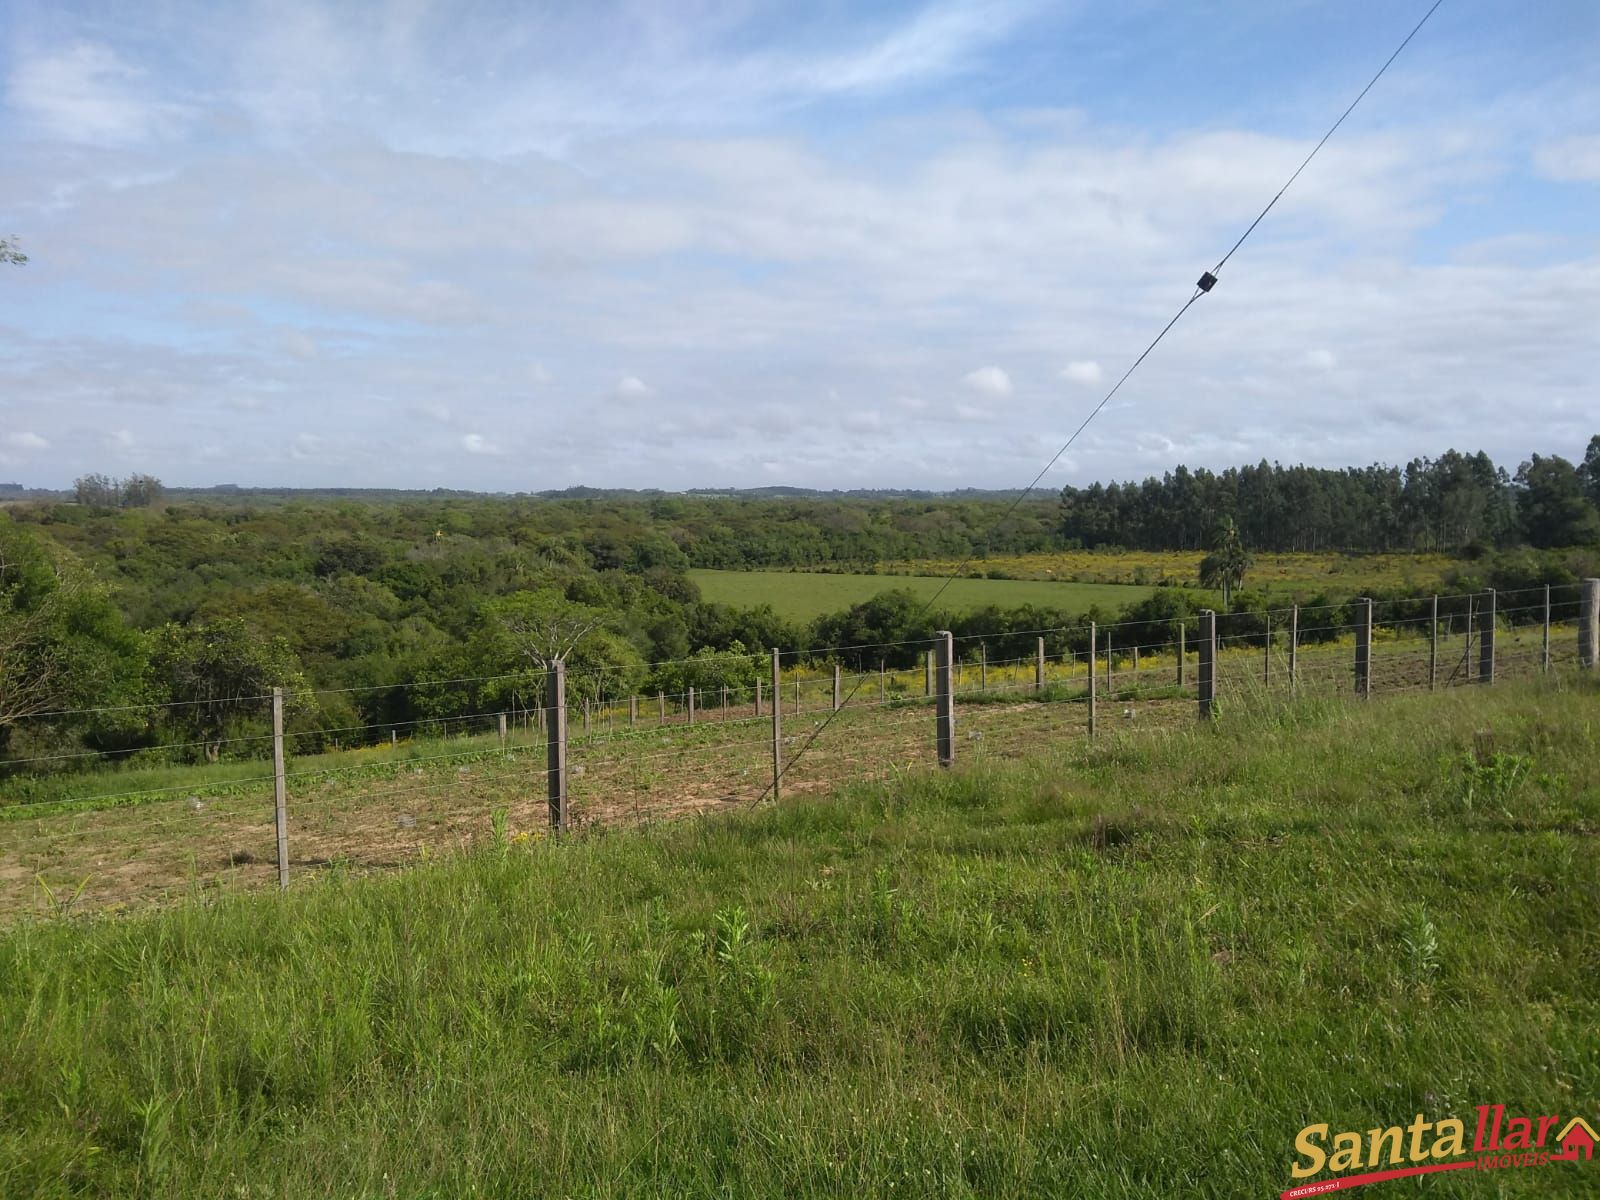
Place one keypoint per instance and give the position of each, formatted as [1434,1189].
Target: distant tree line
[1453,501]
[102,491]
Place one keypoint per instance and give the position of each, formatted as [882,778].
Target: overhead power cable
[1206,282]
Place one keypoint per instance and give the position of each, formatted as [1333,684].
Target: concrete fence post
[945,707]
[691,705]
[758,697]
[1544,650]
[1486,614]
[1038,666]
[555,762]
[1136,664]
[1266,654]
[1433,644]
[1294,647]
[661,707]
[1092,638]
[1589,625]
[1206,676]
[838,688]
[586,716]
[1109,658]
[722,713]
[983,667]
[777,727]
[280,790]
[502,731]
[927,675]
[633,711]
[1182,650]
[1364,647]
[883,681]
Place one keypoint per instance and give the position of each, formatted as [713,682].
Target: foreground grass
[1131,968]
[803,596]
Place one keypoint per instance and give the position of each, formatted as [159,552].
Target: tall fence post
[983,667]
[502,731]
[661,707]
[945,708]
[1038,666]
[1589,625]
[1544,652]
[1109,658]
[1266,656]
[1092,638]
[927,675]
[633,711]
[691,705]
[1364,647]
[1486,640]
[1206,676]
[555,760]
[586,716]
[838,688]
[777,727]
[722,713]
[1433,644]
[758,697]
[1294,648]
[883,681]
[280,790]
[1136,664]
[1182,650]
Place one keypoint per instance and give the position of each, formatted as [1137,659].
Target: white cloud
[1321,360]
[476,443]
[990,381]
[1570,160]
[87,93]
[27,441]
[1086,372]
[631,387]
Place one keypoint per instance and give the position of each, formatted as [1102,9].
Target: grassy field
[801,595]
[1275,574]
[1135,967]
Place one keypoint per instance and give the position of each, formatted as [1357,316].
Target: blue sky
[655,244]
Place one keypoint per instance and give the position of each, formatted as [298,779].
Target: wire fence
[129,834]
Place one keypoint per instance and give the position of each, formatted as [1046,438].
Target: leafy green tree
[219,673]
[1225,565]
[1551,504]
[12,253]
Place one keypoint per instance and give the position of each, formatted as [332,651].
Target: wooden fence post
[586,716]
[1294,648]
[502,731]
[838,691]
[1433,644]
[691,706]
[1182,650]
[883,681]
[633,711]
[661,706]
[555,768]
[1544,654]
[1038,666]
[1092,636]
[945,709]
[983,667]
[777,727]
[1486,640]
[1364,647]
[927,675]
[723,714]
[758,697]
[1589,625]
[280,790]
[1206,677]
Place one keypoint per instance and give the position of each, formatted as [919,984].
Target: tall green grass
[1132,968]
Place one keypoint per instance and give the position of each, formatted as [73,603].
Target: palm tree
[1228,560]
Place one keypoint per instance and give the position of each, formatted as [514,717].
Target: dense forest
[1446,503]
[162,613]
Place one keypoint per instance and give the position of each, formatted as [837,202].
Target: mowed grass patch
[1131,968]
[1286,574]
[803,596]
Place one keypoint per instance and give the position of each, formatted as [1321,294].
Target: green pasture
[802,596]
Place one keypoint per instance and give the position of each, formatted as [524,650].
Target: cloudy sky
[664,243]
